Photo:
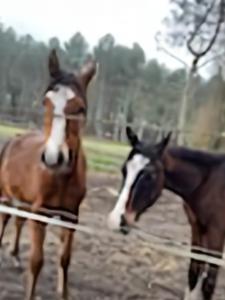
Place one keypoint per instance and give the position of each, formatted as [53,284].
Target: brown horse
[48,169]
[199,178]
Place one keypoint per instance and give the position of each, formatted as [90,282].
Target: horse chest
[63,192]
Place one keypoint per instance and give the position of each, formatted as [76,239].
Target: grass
[105,156]
[9,131]
[102,155]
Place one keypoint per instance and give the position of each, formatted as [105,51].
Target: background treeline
[128,89]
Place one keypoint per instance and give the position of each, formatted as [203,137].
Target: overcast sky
[128,20]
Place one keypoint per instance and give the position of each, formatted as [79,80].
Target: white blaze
[56,139]
[134,166]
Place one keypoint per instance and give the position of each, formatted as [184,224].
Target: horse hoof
[1,257]
[34,298]
[65,297]
[192,295]
[16,262]
[62,297]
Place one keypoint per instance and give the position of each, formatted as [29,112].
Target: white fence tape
[37,217]
[160,246]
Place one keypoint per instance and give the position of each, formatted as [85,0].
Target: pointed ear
[132,137]
[161,147]
[53,64]
[87,72]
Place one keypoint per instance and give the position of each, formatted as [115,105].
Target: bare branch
[220,20]
[211,59]
[173,56]
[169,53]
[198,27]
[194,65]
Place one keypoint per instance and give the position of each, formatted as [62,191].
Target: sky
[128,20]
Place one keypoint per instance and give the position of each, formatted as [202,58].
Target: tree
[198,25]
[103,54]
[76,50]
[127,88]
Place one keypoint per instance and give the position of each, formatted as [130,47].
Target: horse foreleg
[4,219]
[37,232]
[193,291]
[15,244]
[64,261]
[196,268]
[215,242]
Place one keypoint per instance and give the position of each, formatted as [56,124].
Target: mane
[198,157]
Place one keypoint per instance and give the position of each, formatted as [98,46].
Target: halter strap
[76,117]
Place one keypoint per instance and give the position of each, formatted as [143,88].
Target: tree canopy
[128,86]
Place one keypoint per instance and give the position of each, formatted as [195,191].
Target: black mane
[202,158]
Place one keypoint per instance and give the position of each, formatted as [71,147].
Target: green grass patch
[9,131]
[105,156]
[105,146]
[99,158]
[108,169]
[103,162]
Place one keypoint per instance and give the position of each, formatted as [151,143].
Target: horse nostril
[123,221]
[43,157]
[52,161]
[60,159]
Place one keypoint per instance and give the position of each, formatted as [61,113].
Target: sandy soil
[106,265]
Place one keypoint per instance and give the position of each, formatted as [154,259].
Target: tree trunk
[99,109]
[124,119]
[183,108]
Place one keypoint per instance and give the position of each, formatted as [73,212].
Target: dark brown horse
[199,178]
[48,169]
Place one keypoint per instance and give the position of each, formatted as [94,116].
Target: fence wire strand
[155,242]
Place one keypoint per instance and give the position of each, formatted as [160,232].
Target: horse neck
[76,147]
[181,176]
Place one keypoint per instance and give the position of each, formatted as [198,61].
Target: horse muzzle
[56,157]
[53,161]
[122,223]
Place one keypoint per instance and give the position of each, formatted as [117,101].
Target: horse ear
[87,72]
[53,64]
[161,147]
[132,137]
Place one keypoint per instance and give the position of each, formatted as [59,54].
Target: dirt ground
[108,265]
